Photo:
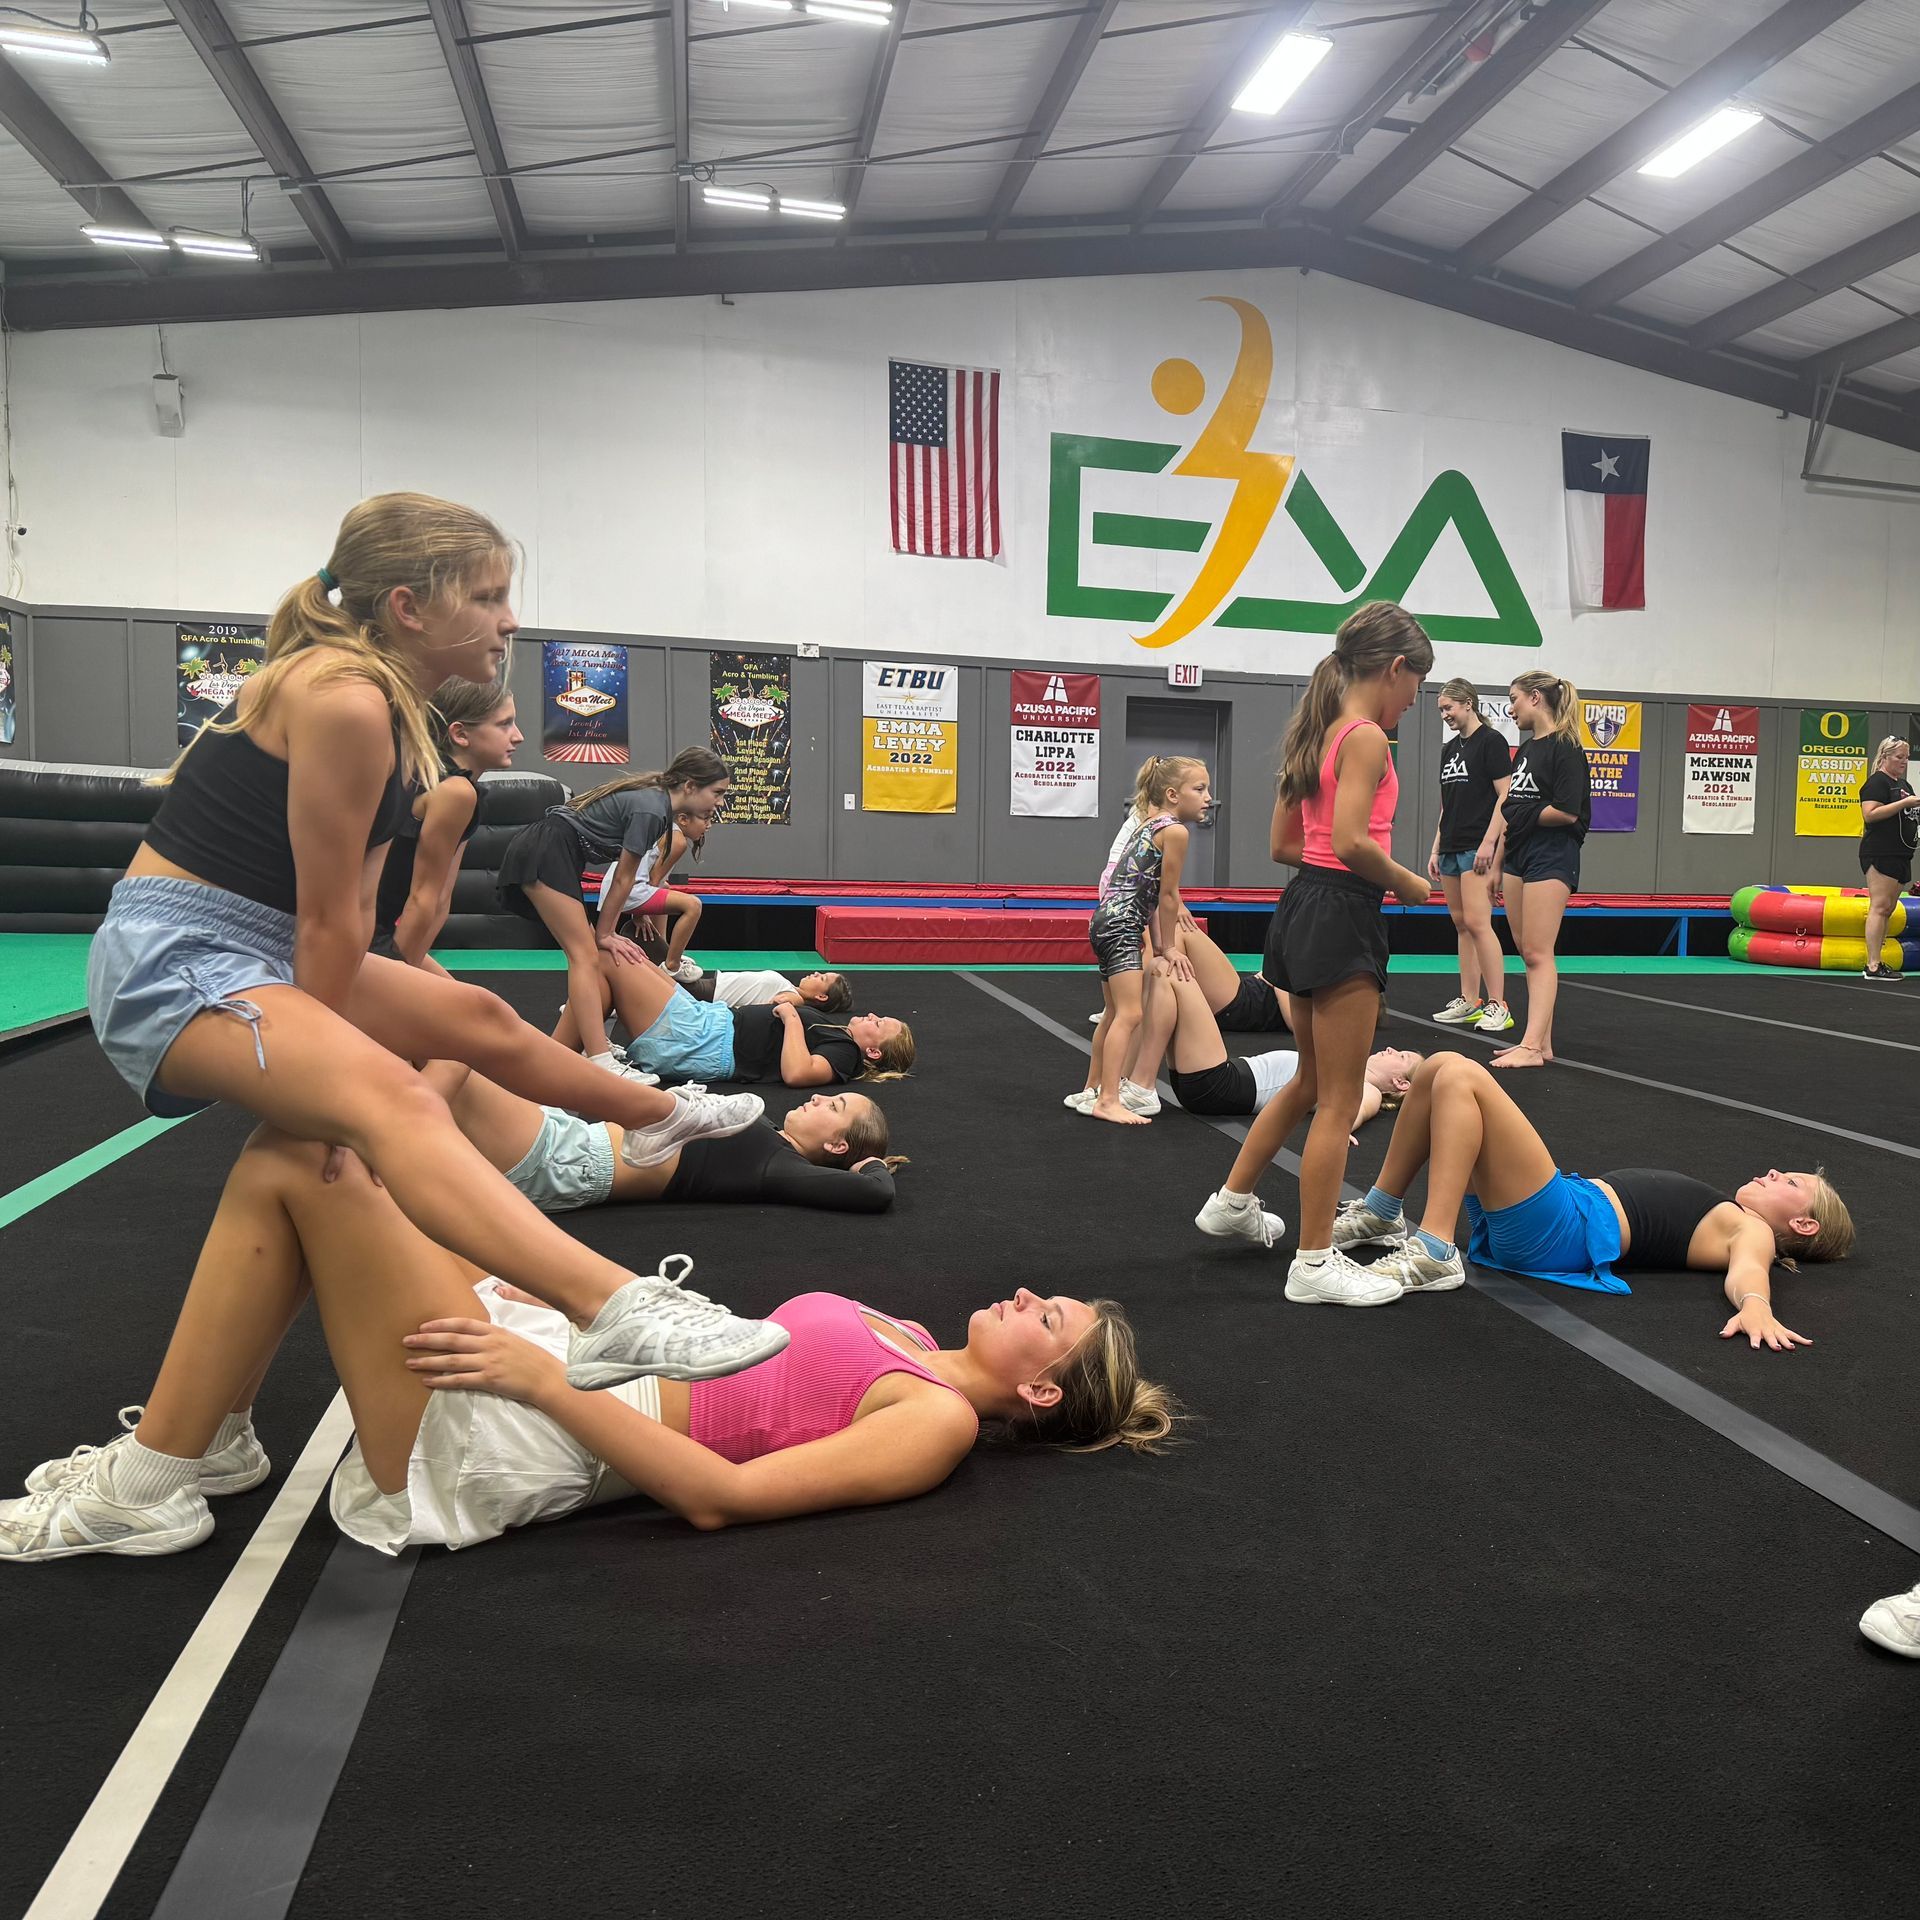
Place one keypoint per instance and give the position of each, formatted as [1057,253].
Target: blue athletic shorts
[569,1165]
[167,951]
[1456,863]
[1567,1232]
[1549,853]
[691,1040]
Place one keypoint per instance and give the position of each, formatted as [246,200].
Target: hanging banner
[753,734]
[1610,733]
[7,682]
[1723,770]
[910,737]
[214,662]
[1828,774]
[584,713]
[1056,745]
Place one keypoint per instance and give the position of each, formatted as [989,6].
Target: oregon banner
[584,709]
[6,678]
[753,734]
[213,662]
[910,737]
[1610,733]
[1828,774]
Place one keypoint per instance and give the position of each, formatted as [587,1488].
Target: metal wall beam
[1250,48]
[1867,349]
[1779,34]
[1053,103]
[876,104]
[1465,107]
[1897,119]
[212,39]
[470,89]
[1805,285]
[682,132]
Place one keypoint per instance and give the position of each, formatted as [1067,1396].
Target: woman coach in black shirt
[1475,767]
[1887,806]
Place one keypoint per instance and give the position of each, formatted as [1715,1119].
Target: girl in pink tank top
[1327,947]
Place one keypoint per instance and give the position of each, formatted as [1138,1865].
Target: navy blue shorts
[1548,853]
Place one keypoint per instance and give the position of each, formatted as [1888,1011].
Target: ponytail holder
[326,578]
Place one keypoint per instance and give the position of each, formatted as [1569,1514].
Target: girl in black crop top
[1529,1217]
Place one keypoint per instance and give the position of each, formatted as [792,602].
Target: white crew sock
[136,1476]
[231,1428]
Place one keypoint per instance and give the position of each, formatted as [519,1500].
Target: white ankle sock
[231,1428]
[1237,1201]
[136,1476]
[1314,1256]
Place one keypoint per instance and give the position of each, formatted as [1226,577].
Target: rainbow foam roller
[1830,911]
[1825,952]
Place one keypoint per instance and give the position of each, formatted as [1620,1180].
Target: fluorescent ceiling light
[813,209]
[1709,136]
[867,13]
[760,199]
[769,6]
[1282,72]
[54,43]
[140,239]
[218,246]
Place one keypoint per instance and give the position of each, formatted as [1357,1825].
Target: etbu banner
[1610,733]
[909,737]
[1056,745]
[1723,769]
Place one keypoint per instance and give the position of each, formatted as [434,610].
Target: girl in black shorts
[1542,820]
[1887,811]
[1328,946]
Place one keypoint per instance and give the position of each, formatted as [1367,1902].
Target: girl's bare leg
[1155,1030]
[1216,975]
[1883,895]
[641,994]
[687,907]
[1096,1060]
[1538,932]
[1344,1018]
[566,919]
[1476,911]
[1450,885]
[1275,1122]
[1197,1044]
[1124,993]
[566,1031]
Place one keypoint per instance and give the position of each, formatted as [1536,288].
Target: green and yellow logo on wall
[1264,484]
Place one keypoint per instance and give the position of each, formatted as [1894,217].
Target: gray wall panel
[81,707]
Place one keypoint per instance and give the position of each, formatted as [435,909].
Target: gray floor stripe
[250,1846]
[1747,1431]
[1728,1013]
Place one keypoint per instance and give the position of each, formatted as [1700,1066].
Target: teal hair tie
[327,579]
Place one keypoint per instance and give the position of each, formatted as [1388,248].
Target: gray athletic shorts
[569,1165]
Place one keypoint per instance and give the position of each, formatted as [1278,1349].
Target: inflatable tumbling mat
[1817,927]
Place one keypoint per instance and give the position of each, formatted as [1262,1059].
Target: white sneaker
[235,1468]
[1339,1282]
[1247,1219]
[1495,1017]
[1094,1019]
[77,1517]
[689,969]
[655,1325]
[1418,1271]
[1138,1099]
[622,1068]
[1082,1102]
[697,1115]
[1894,1623]
[1458,1011]
[1357,1225]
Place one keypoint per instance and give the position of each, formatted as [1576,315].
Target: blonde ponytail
[1562,698]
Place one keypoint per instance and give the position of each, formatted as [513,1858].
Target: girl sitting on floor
[1528,1217]
[653,902]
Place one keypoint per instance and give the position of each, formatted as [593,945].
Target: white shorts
[1271,1072]
[482,1465]
[749,989]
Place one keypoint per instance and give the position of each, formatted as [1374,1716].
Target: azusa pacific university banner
[1056,745]
[753,733]
[1610,734]
[1723,769]
[584,712]
[213,662]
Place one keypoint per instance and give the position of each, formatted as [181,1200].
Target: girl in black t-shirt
[1891,825]
[1541,822]
[1475,767]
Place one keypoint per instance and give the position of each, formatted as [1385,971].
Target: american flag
[943,460]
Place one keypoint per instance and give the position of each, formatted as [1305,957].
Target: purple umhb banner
[1610,735]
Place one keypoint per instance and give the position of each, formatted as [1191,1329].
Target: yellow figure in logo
[1222,452]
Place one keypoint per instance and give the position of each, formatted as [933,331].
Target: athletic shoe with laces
[1894,1623]
[1494,1017]
[80,1516]
[1419,1271]
[697,1115]
[1082,1102]
[1337,1281]
[235,1468]
[1139,1099]
[1247,1221]
[1357,1225]
[689,969]
[1880,973]
[622,1068]
[1458,1011]
[656,1325]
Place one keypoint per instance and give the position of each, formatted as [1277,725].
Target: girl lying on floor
[466,1425]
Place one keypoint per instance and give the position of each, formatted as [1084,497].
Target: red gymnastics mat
[954,937]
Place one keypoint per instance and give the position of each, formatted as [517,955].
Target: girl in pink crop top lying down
[466,1424]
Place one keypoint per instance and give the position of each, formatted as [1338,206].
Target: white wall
[719,472]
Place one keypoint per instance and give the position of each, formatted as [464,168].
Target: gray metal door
[1197,728]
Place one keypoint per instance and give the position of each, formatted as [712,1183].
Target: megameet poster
[1828,773]
[753,734]
[7,683]
[1610,733]
[584,709]
[214,660]
[1056,745]
[910,737]
[1723,769]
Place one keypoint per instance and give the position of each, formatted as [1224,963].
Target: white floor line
[84,1874]
[1728,1013]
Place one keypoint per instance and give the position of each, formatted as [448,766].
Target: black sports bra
[224,818]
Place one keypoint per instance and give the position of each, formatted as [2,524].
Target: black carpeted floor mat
[61,1097]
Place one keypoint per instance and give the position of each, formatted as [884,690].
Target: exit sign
[1183,673]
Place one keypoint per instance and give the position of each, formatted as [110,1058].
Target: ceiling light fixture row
[864,13]
[212,246]
[769,200]
[22,32]
[1693,146]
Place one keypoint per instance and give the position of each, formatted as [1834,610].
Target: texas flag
[1606,482]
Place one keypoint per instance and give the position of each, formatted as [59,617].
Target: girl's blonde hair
[690,767]
[1103,1400]
[1562,698]
[1463,693]
[1163,774]
[1368,643]
[896,1055]
[868,1138]
[1887,745]
[392,540]
[1832,1238]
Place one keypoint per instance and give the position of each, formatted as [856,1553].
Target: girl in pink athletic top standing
[1327,947]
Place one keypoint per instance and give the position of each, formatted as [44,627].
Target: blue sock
[1440,1249]
[1384,1204]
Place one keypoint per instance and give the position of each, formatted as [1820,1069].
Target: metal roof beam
[878,80]
[212,39]
[1783,31]
[1053,103]
[470,89]
[1866,349]
[1805,285]
[1465,107]
[682,133]
[1249,51]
